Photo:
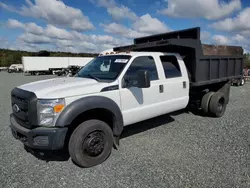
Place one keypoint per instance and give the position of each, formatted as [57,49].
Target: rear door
[175,83]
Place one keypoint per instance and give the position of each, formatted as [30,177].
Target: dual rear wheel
[239,82]
[214,103]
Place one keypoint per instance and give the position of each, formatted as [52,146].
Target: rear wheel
[91,143]
[217,104]
[238,82]
[205,101]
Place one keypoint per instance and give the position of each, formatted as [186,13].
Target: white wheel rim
[242,81]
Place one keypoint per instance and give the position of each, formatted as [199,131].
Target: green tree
[43,53]
[247,60]
[8,61]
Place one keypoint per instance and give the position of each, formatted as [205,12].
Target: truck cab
[166,72]
[15,68]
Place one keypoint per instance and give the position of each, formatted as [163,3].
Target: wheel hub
[221,104]
[94,143]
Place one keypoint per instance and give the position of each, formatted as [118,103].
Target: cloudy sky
[96,25]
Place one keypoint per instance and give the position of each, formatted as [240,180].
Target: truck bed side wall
[211,68]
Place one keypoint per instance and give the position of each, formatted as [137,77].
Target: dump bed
[205,63]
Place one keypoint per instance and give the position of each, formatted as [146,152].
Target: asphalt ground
[178,150]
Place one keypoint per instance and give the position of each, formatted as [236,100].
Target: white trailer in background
[47,65]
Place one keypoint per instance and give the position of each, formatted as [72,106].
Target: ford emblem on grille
[16,108]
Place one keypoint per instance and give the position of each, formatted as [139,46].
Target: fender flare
[89,103]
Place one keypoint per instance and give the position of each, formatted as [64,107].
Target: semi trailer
[157,75]
[48,65]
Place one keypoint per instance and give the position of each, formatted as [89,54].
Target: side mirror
[143,79]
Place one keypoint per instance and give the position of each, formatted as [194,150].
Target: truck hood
[64,87]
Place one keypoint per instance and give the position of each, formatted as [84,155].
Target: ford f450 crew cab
[156,75]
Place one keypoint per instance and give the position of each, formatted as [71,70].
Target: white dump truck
[158,74]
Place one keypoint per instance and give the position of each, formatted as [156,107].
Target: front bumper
[39,138]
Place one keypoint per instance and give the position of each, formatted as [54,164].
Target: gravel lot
[181,150]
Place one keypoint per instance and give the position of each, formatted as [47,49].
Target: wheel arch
[86,106]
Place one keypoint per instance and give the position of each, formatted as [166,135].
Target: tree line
[8,57]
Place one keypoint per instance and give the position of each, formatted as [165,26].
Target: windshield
[106,68]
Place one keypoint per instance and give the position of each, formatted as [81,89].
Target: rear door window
[171,66]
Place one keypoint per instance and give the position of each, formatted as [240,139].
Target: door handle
[161,88]
[184,84]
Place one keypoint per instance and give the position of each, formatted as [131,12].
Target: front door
[140,103]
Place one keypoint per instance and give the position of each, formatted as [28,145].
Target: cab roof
[136,53]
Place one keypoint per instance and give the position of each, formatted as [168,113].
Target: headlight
[49,110]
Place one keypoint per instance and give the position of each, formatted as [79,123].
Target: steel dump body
[205,63]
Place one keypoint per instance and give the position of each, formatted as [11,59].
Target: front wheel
[91,143]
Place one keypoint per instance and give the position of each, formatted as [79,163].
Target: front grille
[22,116]
[24,107]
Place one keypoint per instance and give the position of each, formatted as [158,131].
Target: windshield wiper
[92,76]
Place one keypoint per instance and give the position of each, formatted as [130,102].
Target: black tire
[91,143]
[238,82]
[217,104]
[205,101]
